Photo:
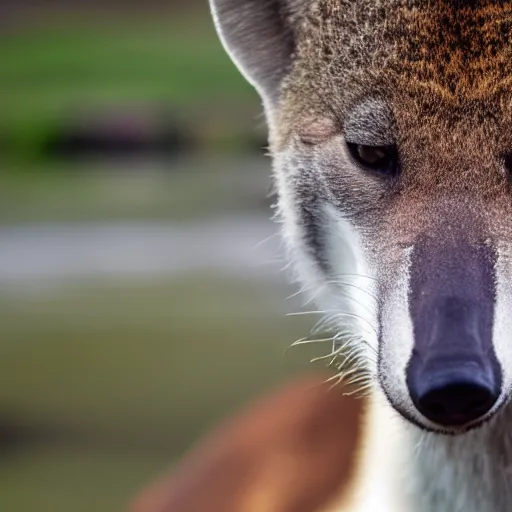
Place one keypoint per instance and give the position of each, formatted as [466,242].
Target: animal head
[390,128]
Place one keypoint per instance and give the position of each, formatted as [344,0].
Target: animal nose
[453,375]
[454,397]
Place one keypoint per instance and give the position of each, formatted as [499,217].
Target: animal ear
[259,37]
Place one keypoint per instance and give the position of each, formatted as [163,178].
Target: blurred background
[141,291]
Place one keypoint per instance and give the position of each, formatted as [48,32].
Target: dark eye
[507,161]
[380,159]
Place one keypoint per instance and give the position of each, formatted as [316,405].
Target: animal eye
[379,159]
[507,161]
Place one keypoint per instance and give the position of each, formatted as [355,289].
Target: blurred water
[248,245]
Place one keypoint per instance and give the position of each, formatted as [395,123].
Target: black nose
[452,396]
[454,376]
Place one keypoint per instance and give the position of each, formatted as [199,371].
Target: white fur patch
[502,328]
[352,275]
[397,335]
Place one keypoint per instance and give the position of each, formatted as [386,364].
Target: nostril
[436,408]
[456,403]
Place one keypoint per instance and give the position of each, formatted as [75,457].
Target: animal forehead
[458,50]
[427,121]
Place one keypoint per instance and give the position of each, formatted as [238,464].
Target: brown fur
[294,451]
[445,70]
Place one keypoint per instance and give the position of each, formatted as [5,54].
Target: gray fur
[259,35]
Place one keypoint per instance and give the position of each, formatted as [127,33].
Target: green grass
[136,372]
[78,480]
[175,58]
[51,70]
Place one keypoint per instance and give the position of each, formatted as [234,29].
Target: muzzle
[453,376]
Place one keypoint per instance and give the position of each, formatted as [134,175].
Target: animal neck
[467,473]
[405,469]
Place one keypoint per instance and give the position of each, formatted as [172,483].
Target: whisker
[354,315]
[305,313]
[305,341]
[364,276]
[266,240]
[297,293]
[362,391]
[338,378]
[351,285]
[322,358]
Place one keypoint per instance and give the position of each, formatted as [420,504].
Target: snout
[453,376]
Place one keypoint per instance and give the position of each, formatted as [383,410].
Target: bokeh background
[142,296]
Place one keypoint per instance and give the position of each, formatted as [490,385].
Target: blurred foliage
[135,372]
[79,479]
[92,191]
[58,69]
[106,383]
